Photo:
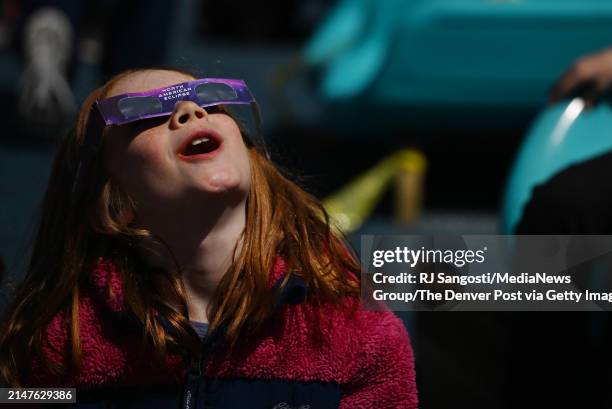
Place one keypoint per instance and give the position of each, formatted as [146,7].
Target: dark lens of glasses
[213,91]
[135,106]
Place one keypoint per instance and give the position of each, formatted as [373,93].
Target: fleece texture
[368,353]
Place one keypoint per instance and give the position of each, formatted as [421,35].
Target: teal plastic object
[354,43]
[561,136]
[462,56]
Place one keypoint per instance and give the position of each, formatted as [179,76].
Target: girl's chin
[221,182]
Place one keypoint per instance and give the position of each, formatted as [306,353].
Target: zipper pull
[193,381]
[194,374]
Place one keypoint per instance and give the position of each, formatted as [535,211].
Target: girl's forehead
[146,80]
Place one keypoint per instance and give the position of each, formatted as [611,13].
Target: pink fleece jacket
[368,353]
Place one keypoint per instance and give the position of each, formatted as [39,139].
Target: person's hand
[589,78]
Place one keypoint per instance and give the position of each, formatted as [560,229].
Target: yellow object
[354,203]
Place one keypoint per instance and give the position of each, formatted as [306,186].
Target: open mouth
[200,144]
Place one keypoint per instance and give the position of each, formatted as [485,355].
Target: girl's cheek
[146,154]
[146,172]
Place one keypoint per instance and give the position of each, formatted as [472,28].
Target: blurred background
[404,116]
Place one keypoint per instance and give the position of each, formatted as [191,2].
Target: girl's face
[193,153]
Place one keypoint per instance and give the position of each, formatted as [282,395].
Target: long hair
[75,233]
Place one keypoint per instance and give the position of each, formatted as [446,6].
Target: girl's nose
[186,111]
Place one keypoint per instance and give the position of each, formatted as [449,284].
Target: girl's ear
[126,211]
[126,216]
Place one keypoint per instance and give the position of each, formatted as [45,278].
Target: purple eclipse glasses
[125,108]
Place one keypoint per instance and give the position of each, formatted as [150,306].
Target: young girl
[175,265]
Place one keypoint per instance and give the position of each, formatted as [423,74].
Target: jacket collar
[108,285]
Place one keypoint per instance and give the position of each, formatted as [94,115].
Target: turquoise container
[562,135]
[467,61]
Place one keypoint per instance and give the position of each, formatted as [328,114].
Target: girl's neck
[203,244]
